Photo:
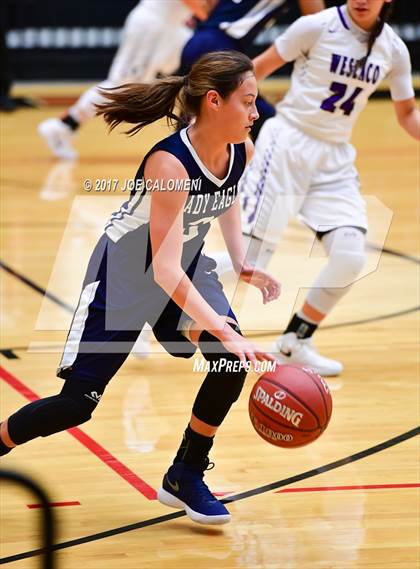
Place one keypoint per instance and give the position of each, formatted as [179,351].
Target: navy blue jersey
[208,196]
[243,19]
[119,291]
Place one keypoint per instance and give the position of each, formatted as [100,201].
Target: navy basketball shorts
[117,299]
[202,42]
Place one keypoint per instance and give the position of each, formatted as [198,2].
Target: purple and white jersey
[328,91]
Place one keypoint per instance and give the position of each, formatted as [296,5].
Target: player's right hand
[241,347]
[269,286]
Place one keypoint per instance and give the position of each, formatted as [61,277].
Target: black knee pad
[72,407]
[223,383]
[212,348]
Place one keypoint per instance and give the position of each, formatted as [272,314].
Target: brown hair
[141,104]
[384,16]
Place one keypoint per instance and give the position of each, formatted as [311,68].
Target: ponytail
[384,16]
[142,103]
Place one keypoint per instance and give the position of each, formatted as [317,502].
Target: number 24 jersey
[328,90]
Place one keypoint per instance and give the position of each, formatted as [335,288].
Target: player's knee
[220,389]
[226,374]
[347,265]
[72,407]
[61,414]
[45,417]
[236,385]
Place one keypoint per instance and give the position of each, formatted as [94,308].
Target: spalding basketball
[291,406]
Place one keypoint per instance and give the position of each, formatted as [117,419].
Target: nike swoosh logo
[287,354]
[175,487]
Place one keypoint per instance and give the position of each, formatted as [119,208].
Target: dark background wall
[76,39]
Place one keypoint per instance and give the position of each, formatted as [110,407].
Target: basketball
[291,406]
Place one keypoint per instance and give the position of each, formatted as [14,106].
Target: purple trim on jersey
[268,155]
[342,18]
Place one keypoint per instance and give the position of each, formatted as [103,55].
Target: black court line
[396,314]
[261,334]
[9,354]
[345,324]
[372,319]
[14,349]
[264,334]
[395,253]
[242,496]
[36,287]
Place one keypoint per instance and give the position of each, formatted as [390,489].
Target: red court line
[53,504]
[94,447]
[362,487]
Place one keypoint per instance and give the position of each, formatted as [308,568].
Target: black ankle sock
[71,122]
[4,449]
[302,328]
[194,448]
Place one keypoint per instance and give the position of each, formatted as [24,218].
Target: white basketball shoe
[289,349]
[59,138]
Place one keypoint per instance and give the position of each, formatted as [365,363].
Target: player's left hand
[269,286]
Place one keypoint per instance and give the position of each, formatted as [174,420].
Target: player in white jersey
[304,164]
[153,36]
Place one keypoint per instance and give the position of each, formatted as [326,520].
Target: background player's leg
[142,32]
[346,256]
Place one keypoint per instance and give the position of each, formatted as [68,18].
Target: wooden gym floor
[348,501]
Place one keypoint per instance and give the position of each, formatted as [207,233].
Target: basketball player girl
[303,162]
[153,36]
[231,25]
[148,266]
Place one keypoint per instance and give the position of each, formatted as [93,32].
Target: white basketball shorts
[293,174]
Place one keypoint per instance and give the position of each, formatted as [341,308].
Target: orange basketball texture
[291,406]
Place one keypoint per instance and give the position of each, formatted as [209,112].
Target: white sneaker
[289,349]
[58,136]
[141,348]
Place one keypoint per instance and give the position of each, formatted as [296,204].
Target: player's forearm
[410,122]
[269,61]
[182,291]
[200,8]
[311,6]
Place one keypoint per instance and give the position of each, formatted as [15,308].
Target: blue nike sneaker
[183,488]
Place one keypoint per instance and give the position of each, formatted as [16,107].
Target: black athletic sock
[301,327]
[194,448]
[4,449]
[71,122]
